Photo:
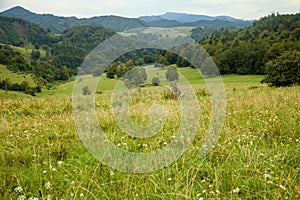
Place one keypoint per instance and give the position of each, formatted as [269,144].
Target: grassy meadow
[256,157]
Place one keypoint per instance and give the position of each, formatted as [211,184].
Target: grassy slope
[257,156]
[192,75]
[15,77]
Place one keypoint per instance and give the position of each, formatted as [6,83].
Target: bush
[86,90]
[155,81]
[283,71]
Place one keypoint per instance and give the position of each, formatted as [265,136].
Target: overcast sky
[244,9]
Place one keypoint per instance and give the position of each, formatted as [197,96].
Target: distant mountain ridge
[57,24]
[186,18]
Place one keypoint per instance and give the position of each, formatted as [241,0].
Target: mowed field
[256,157]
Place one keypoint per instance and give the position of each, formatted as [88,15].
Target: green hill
[248,50]
[59,24]
[19,32]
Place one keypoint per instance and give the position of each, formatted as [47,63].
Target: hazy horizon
[244,9]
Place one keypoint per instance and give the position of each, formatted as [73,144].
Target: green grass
[183,29]
[257,156]
[15,77]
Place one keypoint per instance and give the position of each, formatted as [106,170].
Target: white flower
[21,197]
[218,192]
[18,189]
[267,176]
[81,194]
[72,182]
[169,179]
[201,198]
[60,162]
[48,185]
[282,187]
[203,191]
[236,190]
[48,197]
[33,198]
[45,171]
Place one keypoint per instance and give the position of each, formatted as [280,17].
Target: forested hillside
[57,24]
[19,32]
[49,57]
[248,50]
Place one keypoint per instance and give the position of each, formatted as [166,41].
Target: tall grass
[257,156]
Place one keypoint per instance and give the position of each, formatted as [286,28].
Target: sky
[241,9]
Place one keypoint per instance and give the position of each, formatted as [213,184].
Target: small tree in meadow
[86,90]
[172,74]
[155,81]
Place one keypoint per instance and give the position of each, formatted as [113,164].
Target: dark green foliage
[59,24]
[246,51]
[172,74]
[134,77]
[35,55]
[199,33]
[284,70]
[86,90]
[155,81]
[64,55]
[6,84]
[19,32]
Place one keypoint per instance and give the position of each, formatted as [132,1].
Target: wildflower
[18,189]
[267,176]
[236,190]
[60,162]
[48,185]
[201,198]
[203,191]
[33,198]
[218,192]
[198,195]
[21,197]
[81,194]
[203,181]
[49,197]
[45,171]
[72,182]
[165,143]
[282,187]
[169,179]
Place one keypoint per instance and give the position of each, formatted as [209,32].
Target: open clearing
[257,156]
